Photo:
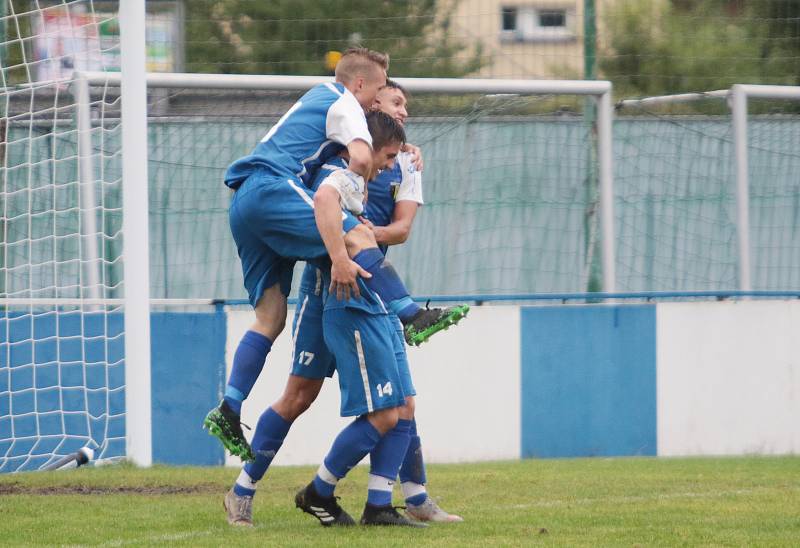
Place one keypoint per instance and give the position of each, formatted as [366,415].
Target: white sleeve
[350,187]
[411,184]
[346,121]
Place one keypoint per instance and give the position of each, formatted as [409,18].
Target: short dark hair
[394,85]
[384,130]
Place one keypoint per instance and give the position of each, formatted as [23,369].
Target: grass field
[589,502]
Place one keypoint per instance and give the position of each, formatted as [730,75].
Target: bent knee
[384,420]
[407,411]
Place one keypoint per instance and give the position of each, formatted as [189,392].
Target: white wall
[728,378]
[467,381]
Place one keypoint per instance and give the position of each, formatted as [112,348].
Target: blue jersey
[318,126]
[402,182]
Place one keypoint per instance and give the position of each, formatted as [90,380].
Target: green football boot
[429,321]
[225,424]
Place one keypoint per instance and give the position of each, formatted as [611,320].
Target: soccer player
[275,220]
[394,197]
[365,344]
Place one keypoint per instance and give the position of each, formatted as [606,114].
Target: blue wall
[63,375]
[188,378]
[588,380]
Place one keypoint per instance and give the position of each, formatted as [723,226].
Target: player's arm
[415,153]
[344,272]
[408,200]
[360,158]
[346,124]
[399,229]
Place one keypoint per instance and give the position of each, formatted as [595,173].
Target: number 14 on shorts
[384,390]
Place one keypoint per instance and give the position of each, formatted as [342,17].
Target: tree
[680,45]
[293,36]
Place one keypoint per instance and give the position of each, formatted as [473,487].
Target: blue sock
[350,446]
[413,467]
[386,283]
[416,500]
[385,461]
[270,432]
[412,471]
[247,365]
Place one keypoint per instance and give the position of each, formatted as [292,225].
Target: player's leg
[386,458]
[412,470]
[420,323]
[224,421]
[370,389]
[267,278]
[312,362]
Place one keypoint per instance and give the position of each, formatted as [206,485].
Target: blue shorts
[273,224]
[310,355]
[401,357]
[364,346]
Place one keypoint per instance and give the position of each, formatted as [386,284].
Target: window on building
[509,19]
[536,24]
[553,19]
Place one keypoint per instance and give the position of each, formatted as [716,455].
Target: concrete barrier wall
[698,378]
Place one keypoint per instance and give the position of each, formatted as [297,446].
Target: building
[524,38]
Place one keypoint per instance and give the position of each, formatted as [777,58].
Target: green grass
[589,502]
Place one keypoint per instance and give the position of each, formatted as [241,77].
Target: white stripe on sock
[326,476]
[244,480]
[411,489]
[379,483]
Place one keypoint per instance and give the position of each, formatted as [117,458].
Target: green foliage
[292,36]
[679,46]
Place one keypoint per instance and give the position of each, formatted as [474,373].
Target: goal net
[678,164]
[61,317]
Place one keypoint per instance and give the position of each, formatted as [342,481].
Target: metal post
[88,202]
[739,107]
[605,116]
[138,422]
[589,39]
[3,13]
[590,119]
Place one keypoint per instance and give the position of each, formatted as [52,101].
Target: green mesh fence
[510,207]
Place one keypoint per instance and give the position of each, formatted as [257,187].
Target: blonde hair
[360,62]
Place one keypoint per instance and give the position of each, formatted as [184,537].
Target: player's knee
[407,411]
[298,396]
[384,420]
[271,313]
[302,400]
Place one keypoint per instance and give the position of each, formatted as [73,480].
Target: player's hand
[416,155]
[367,222]
[344,279]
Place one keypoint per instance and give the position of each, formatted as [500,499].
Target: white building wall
[467,380]
[728,378]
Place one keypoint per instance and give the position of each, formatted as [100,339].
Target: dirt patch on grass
[17,488]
